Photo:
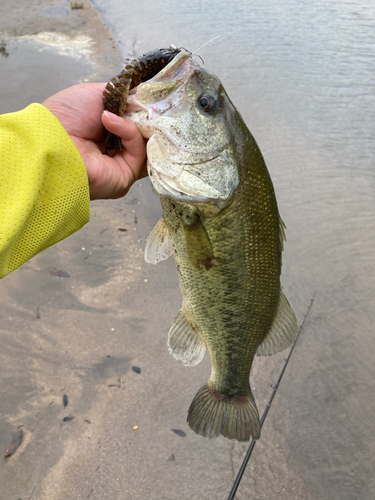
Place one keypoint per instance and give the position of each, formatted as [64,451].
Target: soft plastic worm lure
[139,70]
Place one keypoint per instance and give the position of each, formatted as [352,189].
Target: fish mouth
[155,97]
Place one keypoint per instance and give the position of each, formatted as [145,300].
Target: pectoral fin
[283,331]
[159,244]
[184,343]
[198,245]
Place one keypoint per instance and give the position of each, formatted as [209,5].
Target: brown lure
[139,70]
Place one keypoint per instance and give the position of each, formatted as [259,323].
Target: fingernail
[111,116]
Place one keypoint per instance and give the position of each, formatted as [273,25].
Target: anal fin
[283,331]
[184,343]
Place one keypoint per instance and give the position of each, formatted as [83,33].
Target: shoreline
[28,19]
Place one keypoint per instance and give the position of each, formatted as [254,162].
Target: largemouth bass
[221,222]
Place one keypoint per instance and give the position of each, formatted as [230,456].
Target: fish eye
[208,103]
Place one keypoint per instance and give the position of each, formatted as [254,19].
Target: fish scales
[221,223]
[238,297]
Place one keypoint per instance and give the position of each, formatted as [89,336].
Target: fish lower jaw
[146,131]
[139,115]
[167,187]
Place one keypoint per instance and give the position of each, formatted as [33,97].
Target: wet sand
[60,335]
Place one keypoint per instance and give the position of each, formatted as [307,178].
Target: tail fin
[212,413]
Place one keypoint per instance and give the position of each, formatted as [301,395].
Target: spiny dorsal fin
[159,244]
[184,343]
[283,331]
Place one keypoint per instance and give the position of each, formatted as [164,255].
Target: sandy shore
[32,17]
[45,352]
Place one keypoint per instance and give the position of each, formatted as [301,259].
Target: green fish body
[221,223]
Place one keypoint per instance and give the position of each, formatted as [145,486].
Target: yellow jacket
[44,191]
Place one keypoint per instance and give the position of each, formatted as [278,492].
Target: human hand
[80,110]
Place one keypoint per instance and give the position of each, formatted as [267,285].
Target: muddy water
[301,73]
[50,53]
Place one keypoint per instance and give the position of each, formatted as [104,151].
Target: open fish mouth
[158,95]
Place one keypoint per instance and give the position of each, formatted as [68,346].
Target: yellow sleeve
[44,191]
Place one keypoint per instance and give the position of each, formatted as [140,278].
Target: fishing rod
[265,413]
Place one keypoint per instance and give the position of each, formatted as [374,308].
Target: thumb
[131,138]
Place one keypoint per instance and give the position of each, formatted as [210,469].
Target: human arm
[80,110]
[51,163]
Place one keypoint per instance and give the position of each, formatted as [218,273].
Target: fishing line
[209,41]
[274,387]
